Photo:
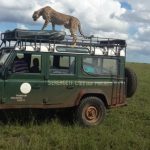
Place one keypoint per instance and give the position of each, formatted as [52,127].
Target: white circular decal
[25,88]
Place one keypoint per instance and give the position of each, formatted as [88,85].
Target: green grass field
[125,128]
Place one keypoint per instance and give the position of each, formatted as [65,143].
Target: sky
[123,19]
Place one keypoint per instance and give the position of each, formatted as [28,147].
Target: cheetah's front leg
[45,24]
[53,26]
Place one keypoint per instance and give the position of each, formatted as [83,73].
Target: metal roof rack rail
[95,45]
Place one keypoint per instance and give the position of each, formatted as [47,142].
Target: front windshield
[3,56]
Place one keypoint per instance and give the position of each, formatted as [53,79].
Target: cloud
[116,35]
[140,12]
[143,33]
[138,19]
[18,12]
[22,26]
[138,47]
[104,18]
[92,14]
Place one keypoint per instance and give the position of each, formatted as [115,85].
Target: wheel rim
[92,114]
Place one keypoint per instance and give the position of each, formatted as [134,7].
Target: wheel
[131,82]
[91,111]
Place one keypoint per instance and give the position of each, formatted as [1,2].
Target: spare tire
[131,82]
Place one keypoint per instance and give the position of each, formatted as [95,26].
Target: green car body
[54,90]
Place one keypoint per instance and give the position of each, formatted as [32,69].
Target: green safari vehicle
[42,70]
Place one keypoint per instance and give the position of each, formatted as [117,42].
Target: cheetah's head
[35,15]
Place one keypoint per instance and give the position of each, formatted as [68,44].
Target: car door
[61,76]
[22,86]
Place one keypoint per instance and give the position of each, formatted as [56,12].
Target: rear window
[100,66]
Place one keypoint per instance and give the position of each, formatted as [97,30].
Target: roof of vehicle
[58,41]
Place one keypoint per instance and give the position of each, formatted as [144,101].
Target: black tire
[91,111]
[131,82]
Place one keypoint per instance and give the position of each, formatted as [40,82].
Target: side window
[62,64]
[27,63]
[35,65]
[100,66]
[110,66]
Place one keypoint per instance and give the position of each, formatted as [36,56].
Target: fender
[91,92]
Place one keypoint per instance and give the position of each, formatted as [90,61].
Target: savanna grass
[125,128]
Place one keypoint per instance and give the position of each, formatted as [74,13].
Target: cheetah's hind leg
[74,41]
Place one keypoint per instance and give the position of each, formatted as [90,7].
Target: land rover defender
[41,69]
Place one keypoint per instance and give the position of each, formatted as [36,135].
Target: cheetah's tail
[80,31]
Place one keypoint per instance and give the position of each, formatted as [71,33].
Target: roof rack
[32,35]
[95,45]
